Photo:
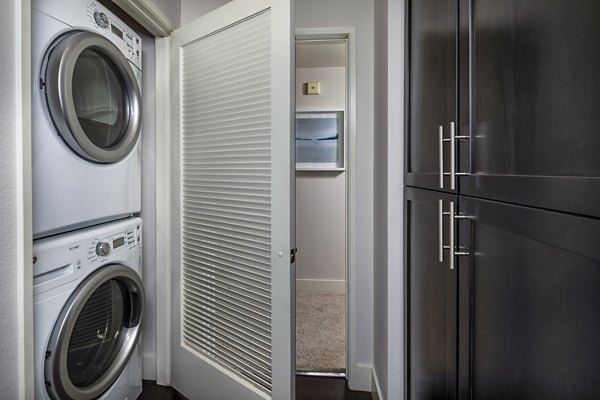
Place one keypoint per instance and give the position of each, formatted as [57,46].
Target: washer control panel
[61,261]
[120,245]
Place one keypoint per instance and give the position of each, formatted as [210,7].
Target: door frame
[357,375]
[23,198]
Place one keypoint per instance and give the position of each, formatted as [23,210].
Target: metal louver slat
[229,291]
[212,237]
[221,354]
[214,299]
[258,351]
[227,222]
[232,313]
[229,283]
[225,115]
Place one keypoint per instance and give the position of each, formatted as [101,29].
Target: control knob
[102,249]
[101,19]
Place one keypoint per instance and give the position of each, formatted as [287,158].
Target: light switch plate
[312,88]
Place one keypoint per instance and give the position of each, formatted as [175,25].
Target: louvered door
[232,139]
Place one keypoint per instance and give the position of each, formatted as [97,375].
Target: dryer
[86,116]
[88,311]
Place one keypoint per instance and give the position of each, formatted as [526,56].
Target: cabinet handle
[454,138]
[453,142]
[451,213]
[441,229]
[452,157]
[441,143]
[450,246]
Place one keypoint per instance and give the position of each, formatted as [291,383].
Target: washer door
[95,334]
[93,96]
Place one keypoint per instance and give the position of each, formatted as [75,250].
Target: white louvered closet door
[232,281]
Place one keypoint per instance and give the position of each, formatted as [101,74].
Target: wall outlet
[312,88]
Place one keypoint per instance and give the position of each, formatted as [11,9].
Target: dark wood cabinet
[431,89]
[530,303]
[519,315]
[534,103]
[432,288]
[520,79]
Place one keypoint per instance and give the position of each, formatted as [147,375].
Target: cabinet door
[535,103]
[431,299]
[431,89]
[533,314]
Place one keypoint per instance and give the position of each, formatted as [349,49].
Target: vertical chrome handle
[452,156]
[451,213]
[450,246]
[451,227]
[441,139]
[441,229]
[453,141]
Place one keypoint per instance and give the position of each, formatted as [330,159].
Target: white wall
[9,314]
[388,217]
[321,226]
[192,9]
[332,89]
[321,196]
[172,9]
[358,14]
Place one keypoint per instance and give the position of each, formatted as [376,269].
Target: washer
[86,116]
[88,310]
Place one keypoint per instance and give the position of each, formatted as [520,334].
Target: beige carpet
[320,332]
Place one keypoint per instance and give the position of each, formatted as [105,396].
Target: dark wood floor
[307,388]
[315,388]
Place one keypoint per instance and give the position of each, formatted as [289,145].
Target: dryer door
[93,96]
[95,334]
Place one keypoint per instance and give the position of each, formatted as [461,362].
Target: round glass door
[95,334]
[100,99]
[93,96]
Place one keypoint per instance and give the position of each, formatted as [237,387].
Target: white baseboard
[149,367]
[321,285]
[376,390]
[360,377]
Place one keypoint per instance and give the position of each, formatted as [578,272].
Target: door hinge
[293,255]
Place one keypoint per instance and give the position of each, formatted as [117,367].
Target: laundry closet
[88,294]
[95,155]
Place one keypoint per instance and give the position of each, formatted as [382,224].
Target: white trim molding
[376,392]
[24,238]
[163,213]
[362,377]
[148,15]
[358,375]
[321,285]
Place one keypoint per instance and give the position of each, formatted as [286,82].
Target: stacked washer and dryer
[86,117]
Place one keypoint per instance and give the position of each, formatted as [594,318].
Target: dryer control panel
[93,16]
[124,37]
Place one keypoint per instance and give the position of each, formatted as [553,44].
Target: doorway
[321,205]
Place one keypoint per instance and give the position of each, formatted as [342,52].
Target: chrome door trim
[58,383]
[58,85]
